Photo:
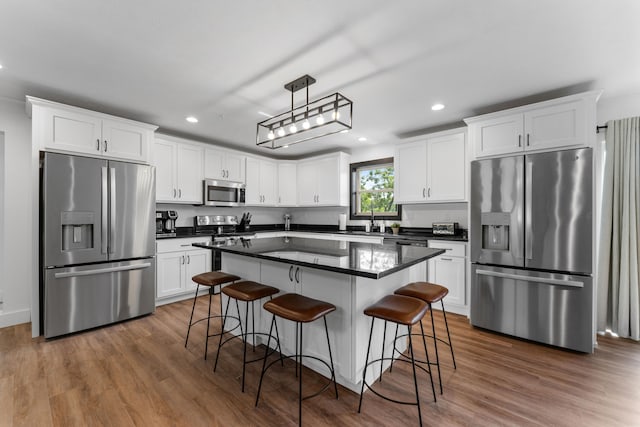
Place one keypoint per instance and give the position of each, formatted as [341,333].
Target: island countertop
[369,260]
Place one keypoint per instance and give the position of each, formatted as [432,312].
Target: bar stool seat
[430,293]
[210,279]
[300,309]
[401,310]
[249,292]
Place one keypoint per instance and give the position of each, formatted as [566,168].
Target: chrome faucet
[372,220]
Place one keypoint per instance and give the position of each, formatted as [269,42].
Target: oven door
[223,193]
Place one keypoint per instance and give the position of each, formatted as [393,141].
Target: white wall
[17,275]
[1,219]
[618,107]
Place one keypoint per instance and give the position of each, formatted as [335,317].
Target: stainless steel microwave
[223,193]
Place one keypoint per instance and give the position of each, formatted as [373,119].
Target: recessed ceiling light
[437,107]
[344,131]
[362,139]
[192,119]
[0,66]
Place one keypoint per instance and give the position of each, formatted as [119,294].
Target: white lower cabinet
[449,270]
[177,262]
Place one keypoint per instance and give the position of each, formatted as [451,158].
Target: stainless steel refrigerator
[531,247]
[97,242]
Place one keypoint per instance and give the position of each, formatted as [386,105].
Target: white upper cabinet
[262,181]
[432,169]
[557,124]
[223,164]
[324,180]
[63,128]
[287,184]
[179,171]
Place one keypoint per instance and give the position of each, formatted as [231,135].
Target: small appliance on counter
[287,222]
[445,228]
[342,222]
[166,223]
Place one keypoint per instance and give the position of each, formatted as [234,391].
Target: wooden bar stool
[210,279]
[430,293]
[299,309]
[249,292]
[400,310]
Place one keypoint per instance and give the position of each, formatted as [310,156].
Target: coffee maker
[166,223]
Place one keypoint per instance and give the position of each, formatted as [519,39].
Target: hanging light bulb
[271,135]
[306,125]
[320,119]
[293,128]
[281,132]
[335,115]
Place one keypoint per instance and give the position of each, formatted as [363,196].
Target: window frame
[353,191]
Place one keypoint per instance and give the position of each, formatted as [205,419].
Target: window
[372,190]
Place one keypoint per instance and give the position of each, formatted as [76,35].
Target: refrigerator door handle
[544,280]
[112,207]
[101,270]
[104,226]
[528,230]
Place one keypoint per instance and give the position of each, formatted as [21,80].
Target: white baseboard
[14,317]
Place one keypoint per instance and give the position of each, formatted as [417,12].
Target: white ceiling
[159,61]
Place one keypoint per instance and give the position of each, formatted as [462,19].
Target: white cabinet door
[328,181]
[269,182]
[72,131]
[307,186]
[125,141]
[450,273]
[252,191]
[197,262]
[336,290]
[410,164]
[446,166]
[164,159]
[189,173]
[234,166]
[287,184]
[170,274]
[213,164]
[556,126]
[500,135]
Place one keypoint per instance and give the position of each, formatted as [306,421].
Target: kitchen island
[350,275]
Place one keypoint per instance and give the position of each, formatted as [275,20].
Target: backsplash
[421,215]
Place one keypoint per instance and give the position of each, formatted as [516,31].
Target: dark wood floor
[139,373]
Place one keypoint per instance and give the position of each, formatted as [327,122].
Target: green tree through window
[372,190]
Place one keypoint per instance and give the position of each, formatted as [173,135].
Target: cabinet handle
[174,193]
[429,192]
[297,275]
[105,145]
[424,192]
[98,144]
[188,259]
[279,199]
[179,193]
[182,259]
[446,259]
[519,140]
[527,140]
[290,276]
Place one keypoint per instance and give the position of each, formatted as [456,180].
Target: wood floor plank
[139,373]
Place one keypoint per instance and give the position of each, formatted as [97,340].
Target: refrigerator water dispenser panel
[495,231]
[77,230]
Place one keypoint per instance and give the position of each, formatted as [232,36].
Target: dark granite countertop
[418,234]
[358,259]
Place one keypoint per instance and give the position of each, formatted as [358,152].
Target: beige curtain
[618,290]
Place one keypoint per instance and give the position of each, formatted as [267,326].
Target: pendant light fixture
[324,116]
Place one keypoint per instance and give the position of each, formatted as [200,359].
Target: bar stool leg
[424,341]
[206,342]
[333,371]
[435,344]
[415,378]
[224,320]
[366,363]
[244,338]
[384,338]
[192,310]
[395,338]
[264,362]
[300,380]
[444,313]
